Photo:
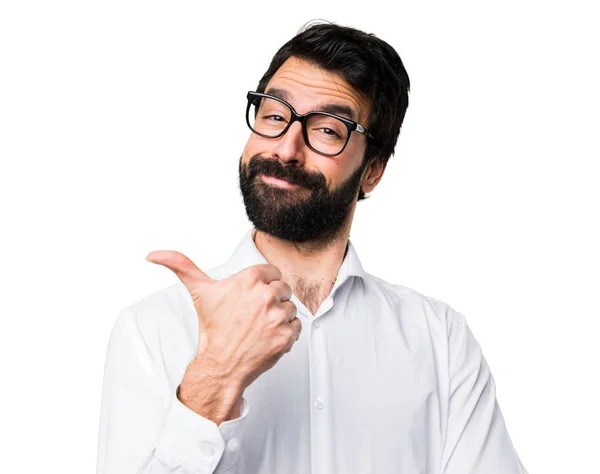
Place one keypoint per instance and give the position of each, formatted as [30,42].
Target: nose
[290,147]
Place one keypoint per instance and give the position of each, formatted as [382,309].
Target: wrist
[208,363]
[210,393]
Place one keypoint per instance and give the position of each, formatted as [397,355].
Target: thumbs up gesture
[246,324]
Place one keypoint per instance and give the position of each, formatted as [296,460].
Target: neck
[310,268]
[306,259]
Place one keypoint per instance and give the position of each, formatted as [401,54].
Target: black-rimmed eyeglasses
[324,133]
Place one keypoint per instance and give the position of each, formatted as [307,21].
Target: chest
[358,395]
[311,294]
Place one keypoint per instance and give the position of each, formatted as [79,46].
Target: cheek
[335,171]
[355,150]
[248,147]
[350,159]
[256,146]
[340,169]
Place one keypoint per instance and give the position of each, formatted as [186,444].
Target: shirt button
[233,445]
[319,403]
[316,325]
[207,449]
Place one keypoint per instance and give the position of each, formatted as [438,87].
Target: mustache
[292,174]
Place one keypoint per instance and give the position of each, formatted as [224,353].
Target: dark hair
[368,64]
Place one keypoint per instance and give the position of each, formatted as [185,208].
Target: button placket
[320,372]
[318,403]
[319,395]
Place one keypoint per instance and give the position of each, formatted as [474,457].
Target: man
[290,358]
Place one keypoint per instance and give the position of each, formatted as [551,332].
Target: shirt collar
[247,254]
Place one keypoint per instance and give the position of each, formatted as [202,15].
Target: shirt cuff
[197,443]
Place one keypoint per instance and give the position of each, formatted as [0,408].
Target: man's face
[317,193]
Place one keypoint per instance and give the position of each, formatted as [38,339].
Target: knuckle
[277,272]
[252,275]
[291,311]
[270,295]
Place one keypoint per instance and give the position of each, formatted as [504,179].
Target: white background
[121,125]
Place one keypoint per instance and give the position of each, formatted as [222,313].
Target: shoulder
[410,304]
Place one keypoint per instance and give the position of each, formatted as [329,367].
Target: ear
[372,175]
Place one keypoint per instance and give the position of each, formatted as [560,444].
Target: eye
[275,118]
[329,132]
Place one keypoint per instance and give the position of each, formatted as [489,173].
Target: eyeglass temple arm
[361,129]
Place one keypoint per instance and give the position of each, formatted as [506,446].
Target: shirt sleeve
[144,428]
[477,441]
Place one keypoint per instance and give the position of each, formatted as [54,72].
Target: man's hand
[246,324]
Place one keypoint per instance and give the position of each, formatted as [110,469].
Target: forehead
[307,86]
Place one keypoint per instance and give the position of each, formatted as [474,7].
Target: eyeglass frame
[350,124]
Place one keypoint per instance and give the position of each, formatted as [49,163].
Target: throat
[312,294]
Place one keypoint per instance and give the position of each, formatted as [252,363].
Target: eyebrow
[338,109]
[279,93]
[332,108]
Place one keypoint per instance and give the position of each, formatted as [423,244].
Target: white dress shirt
[383,380]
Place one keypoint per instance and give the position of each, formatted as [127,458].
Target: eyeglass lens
[325,134]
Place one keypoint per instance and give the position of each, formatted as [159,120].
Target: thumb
[182,266]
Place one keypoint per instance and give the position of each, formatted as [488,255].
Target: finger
[178,263]
[297,326]
[267,272]
[291,311]
[284,292]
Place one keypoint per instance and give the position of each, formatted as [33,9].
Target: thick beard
[311,213]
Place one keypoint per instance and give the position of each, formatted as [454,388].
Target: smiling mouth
[278,182]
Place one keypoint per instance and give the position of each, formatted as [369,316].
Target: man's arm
[477,441]
[246,323]
[144,427]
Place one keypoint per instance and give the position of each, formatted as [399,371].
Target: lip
[278,182]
